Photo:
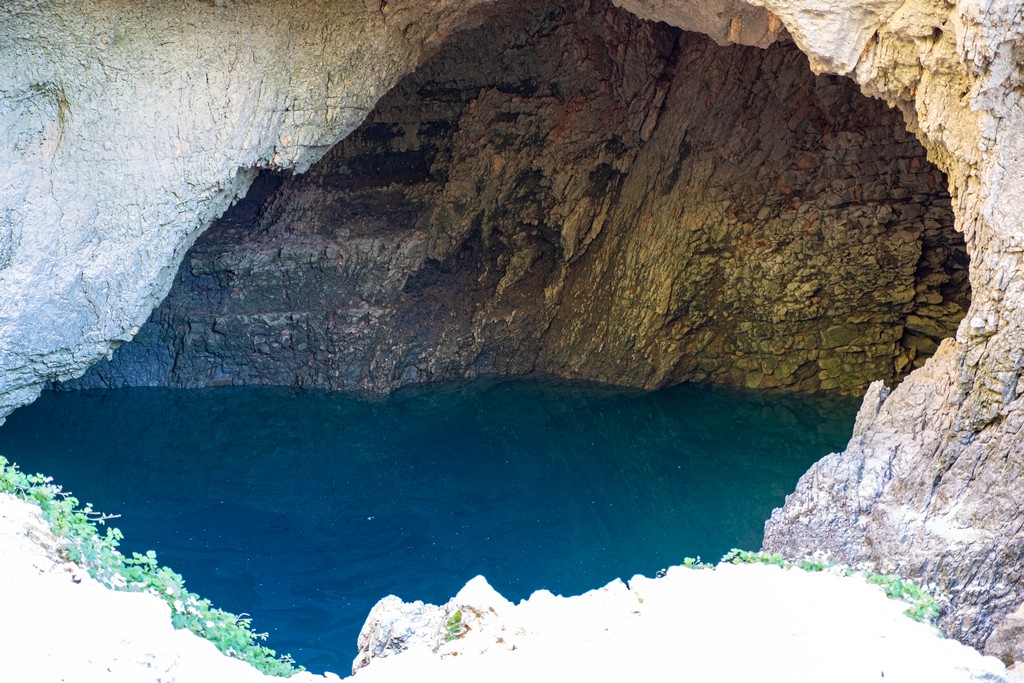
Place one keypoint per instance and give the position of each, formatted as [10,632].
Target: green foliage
[454,628]
[736,556]
[814,565]
[97,552]
[922,608]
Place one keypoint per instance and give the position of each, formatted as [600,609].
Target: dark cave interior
[577,192]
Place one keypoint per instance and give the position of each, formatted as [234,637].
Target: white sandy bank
[735,623]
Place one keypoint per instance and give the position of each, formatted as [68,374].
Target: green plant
[454,628]
[736,556]
[922,607]
[97,552]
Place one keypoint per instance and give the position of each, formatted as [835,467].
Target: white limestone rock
[394,626]
[733,623]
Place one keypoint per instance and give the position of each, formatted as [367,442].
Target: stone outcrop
[608,199]
[789,626]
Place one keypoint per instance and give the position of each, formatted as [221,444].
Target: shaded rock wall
[579,192]
[930,483]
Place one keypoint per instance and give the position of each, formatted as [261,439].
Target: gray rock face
[930,485]
[608,199]
[941,504]
[393,626]
[126,128]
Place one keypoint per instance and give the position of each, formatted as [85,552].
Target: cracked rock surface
[581,193]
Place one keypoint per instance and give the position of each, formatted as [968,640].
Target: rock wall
[930,483]
[575,191]
[127,127]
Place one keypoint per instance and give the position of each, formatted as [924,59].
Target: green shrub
[922,608]
[97,552]
[454,628]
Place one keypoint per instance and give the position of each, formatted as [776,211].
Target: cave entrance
[578,192]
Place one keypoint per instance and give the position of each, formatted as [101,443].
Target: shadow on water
[304,508]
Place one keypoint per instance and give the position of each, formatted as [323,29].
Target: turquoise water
[304,508]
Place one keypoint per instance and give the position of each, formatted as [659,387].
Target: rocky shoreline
[731,623]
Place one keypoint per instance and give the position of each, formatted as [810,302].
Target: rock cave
[600,198]
[754,194]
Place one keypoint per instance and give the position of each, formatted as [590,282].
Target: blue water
[304,508]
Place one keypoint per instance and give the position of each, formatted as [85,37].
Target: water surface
[304,508]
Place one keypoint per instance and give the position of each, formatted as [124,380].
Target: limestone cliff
[607,199]
[931,478]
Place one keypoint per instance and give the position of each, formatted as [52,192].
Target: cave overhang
[167,133]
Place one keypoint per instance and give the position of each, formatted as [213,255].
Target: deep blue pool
[304,508]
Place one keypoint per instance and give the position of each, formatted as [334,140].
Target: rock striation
[608,199]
